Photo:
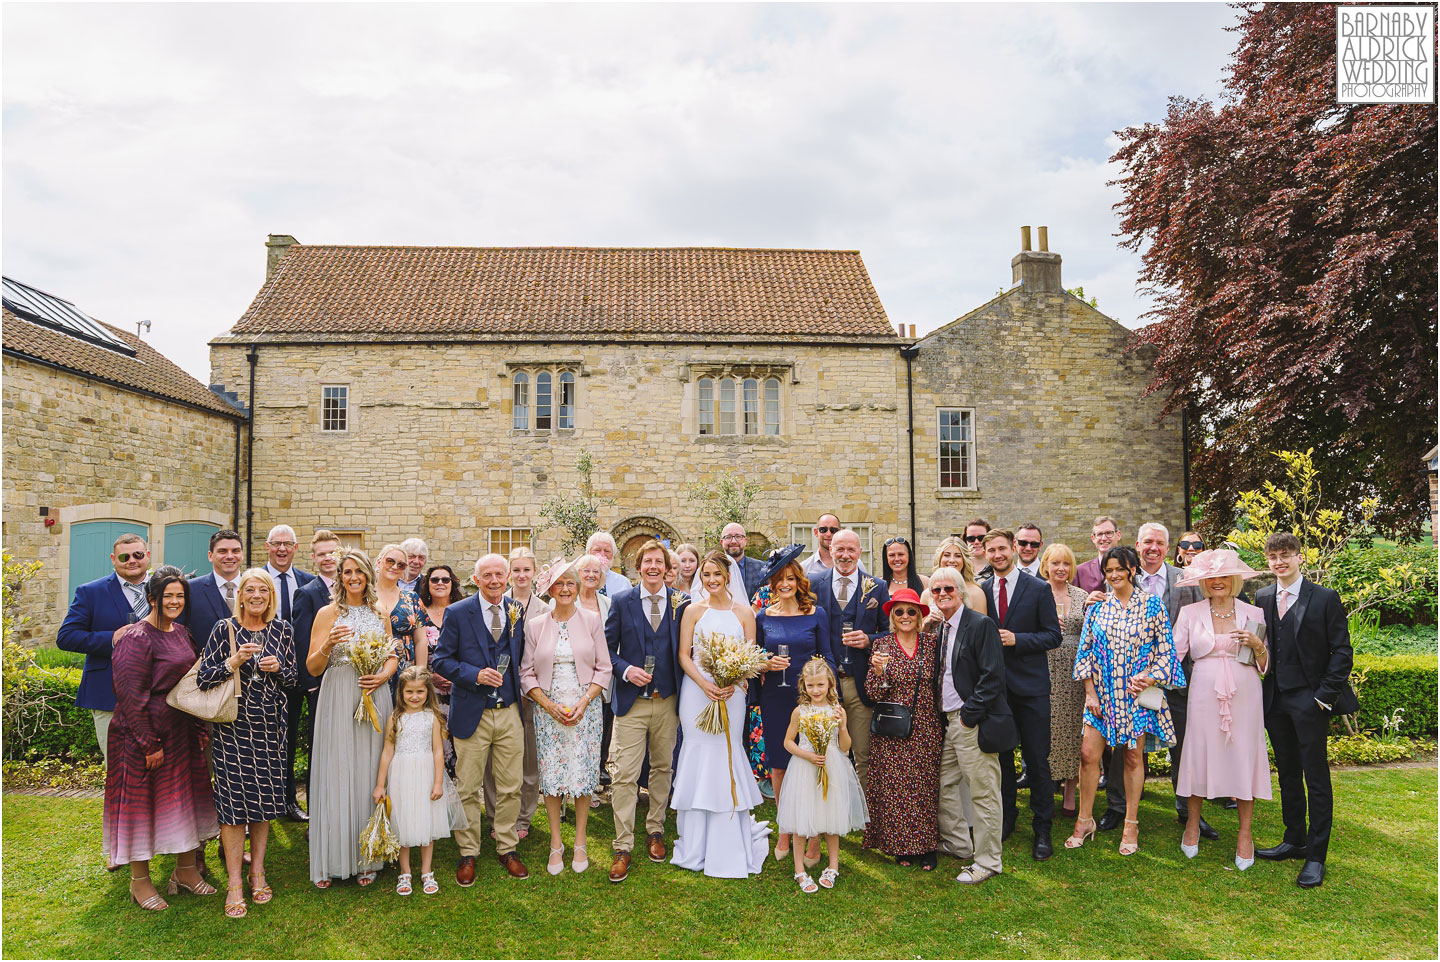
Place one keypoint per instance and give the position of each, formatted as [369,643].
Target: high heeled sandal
[323,884]
[235,909]
[807,884]
[402,884]
[828,877]
[577,864]
[1130,848]
[260,894]
[428,885]
[153,904]
[1078,838]
[201,887]
[554,867]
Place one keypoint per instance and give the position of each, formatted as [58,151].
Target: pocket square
[872,603]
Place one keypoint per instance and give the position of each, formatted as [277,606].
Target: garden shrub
[1364,750]
[1356,567]
[42,720]
[1407,682]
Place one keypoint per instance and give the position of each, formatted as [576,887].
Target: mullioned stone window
[741,404]
[542,400]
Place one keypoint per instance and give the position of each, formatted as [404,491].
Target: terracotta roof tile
[148,370]
[567,292]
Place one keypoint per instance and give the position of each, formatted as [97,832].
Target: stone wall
[1062,429]
[430,449]
[89,451]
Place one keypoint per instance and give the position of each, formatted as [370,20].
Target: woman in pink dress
[1225,734]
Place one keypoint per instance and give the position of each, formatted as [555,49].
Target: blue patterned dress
[1117,643]
[404,618]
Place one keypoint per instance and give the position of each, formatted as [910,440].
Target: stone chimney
[276,245]
[1038,270]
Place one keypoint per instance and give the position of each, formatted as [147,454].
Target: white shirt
[132,592]
[950,699]
[1011,580]
[410,585]
[1033,568]
[854,580]
[234,585]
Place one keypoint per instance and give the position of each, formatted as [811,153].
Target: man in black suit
[849,595]
[970,690]
[1308,682]
[280,545]
[1024,610]
[312,596]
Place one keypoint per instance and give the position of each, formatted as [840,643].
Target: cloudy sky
[149,149]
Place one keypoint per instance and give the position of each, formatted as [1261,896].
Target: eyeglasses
[440,581]
[1027,544]
[1193,545]
[974,538]
[823,529]
[942,589]
[392,563]
[137,555]
[281,544]
[733,537]
[1103,534]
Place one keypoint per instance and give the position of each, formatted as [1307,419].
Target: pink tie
[1284,605]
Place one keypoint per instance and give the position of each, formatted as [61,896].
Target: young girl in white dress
[424,805]
[806,809]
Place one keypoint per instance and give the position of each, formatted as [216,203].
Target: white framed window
[566,419]
[520,419]
[805,534]
[772,405]
[334,407]
[543,399]
[505,540]
[744,406]
[543,396]
[956,452]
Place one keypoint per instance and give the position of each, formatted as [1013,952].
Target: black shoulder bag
[892,719]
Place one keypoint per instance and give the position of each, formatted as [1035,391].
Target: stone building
[104,435]
[447,391]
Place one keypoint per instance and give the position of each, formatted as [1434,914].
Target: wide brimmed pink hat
[551,572]
[1215,563]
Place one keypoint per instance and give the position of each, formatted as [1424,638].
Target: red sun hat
[909,597]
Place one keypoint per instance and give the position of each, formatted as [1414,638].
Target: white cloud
[148,155]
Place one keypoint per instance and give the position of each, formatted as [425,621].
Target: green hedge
[44,722]
[1398,681]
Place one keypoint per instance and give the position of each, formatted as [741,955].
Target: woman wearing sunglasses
[1189,546]
[401,606]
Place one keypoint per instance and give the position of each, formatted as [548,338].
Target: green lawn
[1379,899]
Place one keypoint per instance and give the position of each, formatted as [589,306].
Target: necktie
[495,627]
[1004,601]
[945,647]
[138,604]
[1284,604]
[1155,585]
[844,592]
[285,595]
[655,614]
[230,595]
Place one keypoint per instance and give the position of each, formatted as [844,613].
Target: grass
[1378,901]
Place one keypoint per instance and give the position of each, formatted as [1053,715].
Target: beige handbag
[218,704]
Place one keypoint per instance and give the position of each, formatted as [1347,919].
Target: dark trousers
[295,699]
[1032,718]
[1179,702]
[1298,730]
[607,725]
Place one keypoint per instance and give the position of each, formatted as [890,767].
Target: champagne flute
[845,628]
[884,672]
[650,670]
[502,665]
[784,652]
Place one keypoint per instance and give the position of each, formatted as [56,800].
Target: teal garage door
[187,546]
[90,545]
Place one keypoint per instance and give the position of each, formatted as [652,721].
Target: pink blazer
[1195,635]
[587,640]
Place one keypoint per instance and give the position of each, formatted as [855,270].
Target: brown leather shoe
[620,868]
[465,871]
[657,847]
[513,865]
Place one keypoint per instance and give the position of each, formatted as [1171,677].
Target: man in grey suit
[1158,578]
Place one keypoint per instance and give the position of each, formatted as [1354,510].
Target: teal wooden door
[187,546]
[90,545]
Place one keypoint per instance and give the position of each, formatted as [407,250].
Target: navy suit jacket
[99,607]
[752,573]
[625,635]
[308,601]
[465,647]
[207,609]
[866,610]
[1031,615]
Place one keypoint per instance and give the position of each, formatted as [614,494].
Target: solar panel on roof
[57,314]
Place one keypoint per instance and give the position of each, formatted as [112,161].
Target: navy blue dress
[807,636]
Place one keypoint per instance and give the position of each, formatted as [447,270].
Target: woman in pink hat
[1225,735]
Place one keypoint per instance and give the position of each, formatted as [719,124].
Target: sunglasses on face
[1193,545]
[392,563]
[974,538]
[905,613]
[440,581]
[827,530]
[942,589]
[137,555]
[1027,544]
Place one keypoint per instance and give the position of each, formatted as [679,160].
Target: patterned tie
[655,614]
[1284,604]
[495,627]
[138,604]
[1004,601]
[844,598]
[945,647]
[230,595]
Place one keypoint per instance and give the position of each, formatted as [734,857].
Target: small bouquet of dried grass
[368,653]
[378,842]
[729,659]
[819,727]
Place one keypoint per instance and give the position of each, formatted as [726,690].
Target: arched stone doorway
[633,532]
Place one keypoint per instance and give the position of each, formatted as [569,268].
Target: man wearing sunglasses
[821,561]
[99,614]
[1028,541]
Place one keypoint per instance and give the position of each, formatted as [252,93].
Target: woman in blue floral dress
[1125,648]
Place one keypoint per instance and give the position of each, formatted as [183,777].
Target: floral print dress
[1118,642]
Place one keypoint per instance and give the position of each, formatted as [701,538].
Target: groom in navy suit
[484,711]
[1024,609]
[644,621]
[734,539]
[99,614]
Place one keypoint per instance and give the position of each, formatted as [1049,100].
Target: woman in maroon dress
[157,789]
[904,789]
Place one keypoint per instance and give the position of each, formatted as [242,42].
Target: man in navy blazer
[211,594]
[100,612]
[644,621]
[1024,609]
[312,596]
[864,608]
[733,540]
[484,711]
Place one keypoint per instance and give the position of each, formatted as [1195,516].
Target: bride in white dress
[717,835]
